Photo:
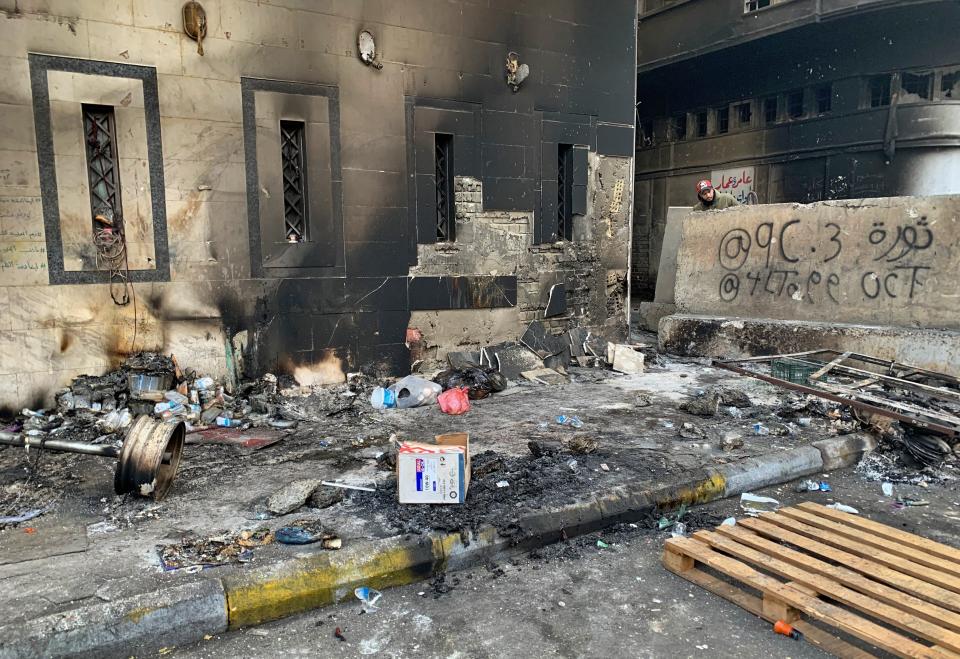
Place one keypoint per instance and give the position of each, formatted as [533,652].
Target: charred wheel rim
[149,458]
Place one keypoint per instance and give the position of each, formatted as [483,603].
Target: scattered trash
[434,473]
[679,530]
[22,517]
[478,382]
[844,509]
[502,484]
[754,505]
[731,441]
[887,489]
[760,429]
[807,486]
[907,501]
[307,531]
[198,552]
[582,445]
[804,421]
[604,466]
[573,421]
[338,634]
[730,521]
[666,424]
[410,391]
[781,627]
[572,464]
[643,400]
[602,545]
[454,401]
[368,598]
[825,487]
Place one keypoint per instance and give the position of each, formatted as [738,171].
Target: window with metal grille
[293,160]
[565,191]
[745,114]
[678,127]
[916,86]
[702,118]
[754,5]
[723,119]
[770,110]
[878,88]
[100,140]
[824,95]
[446,224]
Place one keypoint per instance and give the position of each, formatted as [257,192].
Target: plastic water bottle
[382,399]
[228,423]
[574,421]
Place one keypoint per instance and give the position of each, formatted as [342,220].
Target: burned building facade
[301,187]
[794,101]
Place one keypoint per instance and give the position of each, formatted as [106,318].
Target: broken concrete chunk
[627,359]
[324,497]
[291,496]
[706,405]
[731,441]
[582,445]
[734,397]
[690,431]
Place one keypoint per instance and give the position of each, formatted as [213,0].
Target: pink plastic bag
[454,401]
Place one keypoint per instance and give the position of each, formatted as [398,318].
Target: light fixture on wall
[367,49]
[516,72]
[195,23]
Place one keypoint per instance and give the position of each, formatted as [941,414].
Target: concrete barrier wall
[890,261]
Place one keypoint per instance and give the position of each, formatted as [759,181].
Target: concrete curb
[185,613]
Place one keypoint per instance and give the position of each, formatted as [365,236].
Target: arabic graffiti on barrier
[738,182]
[797,260]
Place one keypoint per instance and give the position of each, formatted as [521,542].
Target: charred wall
[215,280]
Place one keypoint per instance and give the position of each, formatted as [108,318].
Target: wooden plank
[903,601]
[871,606]
[826,368]
[922,589]
[930,575]
[752,604]
[850,623]
[891,547]
[885,531]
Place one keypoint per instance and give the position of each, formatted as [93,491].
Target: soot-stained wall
[202,188]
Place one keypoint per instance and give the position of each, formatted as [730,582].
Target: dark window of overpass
[678,126]
[795,104]
[879,90]
[745,114]
[770,110]
[824,98]
[950,85]
[702,118]
[754,5]
[443,150]
[723,120]
[917,85]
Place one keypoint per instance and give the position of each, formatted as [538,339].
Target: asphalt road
[574,600]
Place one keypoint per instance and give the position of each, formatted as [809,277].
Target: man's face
[707,195]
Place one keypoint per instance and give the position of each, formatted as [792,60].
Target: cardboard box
[434,473]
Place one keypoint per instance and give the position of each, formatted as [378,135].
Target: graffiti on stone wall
[802,260]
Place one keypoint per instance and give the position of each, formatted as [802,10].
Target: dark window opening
[879,88]
[745,114]
[723,120]
[702,118]
[565,191]
[100,139]
[824,99]
[679,127]
[917,84]
[950,85]
[443,153]
[293,161]
[795,104]
[770,110]
[754,5]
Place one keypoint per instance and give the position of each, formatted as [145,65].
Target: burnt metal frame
[842,394]
[296,214]
[40,65]
[100,145]
[444,178]
[565,191]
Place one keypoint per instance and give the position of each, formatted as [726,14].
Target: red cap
[704,185]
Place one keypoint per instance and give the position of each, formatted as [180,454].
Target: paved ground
[574,600]
[93,545]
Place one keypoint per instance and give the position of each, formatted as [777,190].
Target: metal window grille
[443,154]
[293,161]
[680,127]
[702,118]
[565,191]
[723,119]
[745,114]
[100,138]
[879,91]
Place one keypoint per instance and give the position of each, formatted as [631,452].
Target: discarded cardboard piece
[434,473]
[625,358]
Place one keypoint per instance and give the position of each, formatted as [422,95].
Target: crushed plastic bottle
[368,598]
[382,399]
[203,383]
[735,412]
[410,391]
[224,422]
[679,530]
[887,489]
[844,508]
[573,421]
[804,421]
[760,429]
[176,397]
[808,486]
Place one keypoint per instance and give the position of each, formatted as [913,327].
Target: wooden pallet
[894,590]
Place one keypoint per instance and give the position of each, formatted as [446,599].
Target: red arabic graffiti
[733,182]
